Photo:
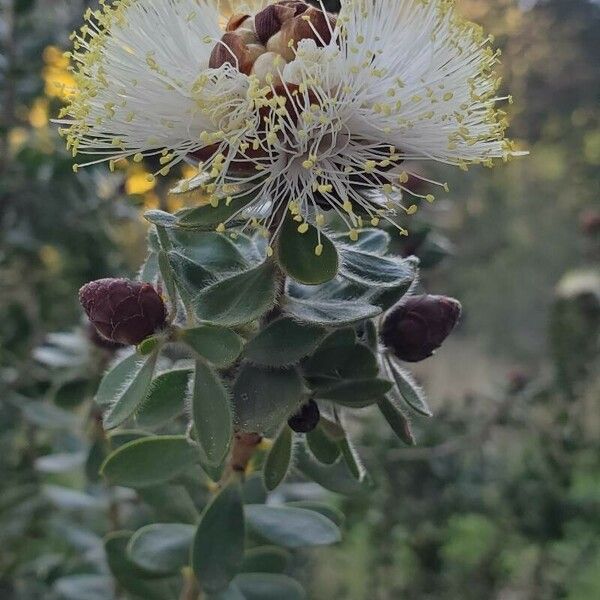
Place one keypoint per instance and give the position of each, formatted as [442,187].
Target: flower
[304,109]
[418,326]
[123,311]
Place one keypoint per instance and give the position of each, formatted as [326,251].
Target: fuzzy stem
[244,446]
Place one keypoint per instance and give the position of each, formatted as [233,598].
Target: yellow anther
[403,177]
[221,227]
[353,235]
[319,249]
[303,228]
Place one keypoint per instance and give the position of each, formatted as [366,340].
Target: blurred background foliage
[500,499]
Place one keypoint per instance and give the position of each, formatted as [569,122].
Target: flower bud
[306,419]
[236,21]
[99,340]
[123,311]
[267,64]
[278,28]
[416,328]
[269,20]
[233,50]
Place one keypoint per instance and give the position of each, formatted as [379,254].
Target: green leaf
[165,399]
[160,218]
[371,336]
[149,270]
[209,217]
[335,478]
[323,448]
[388,297]
[162,548]
[356,393]
[149,461]
[296,254]
[264,586]
[397,420]
[283,343]
[119,438]
[376,271]
[334,313]
[218,549]
[166,274]
[253,489]
[239,299]
[136,581]
[412,393]
[278,460]
[248,248]
[374,241]
[265,398]
[212,414]
[265,559]
[333,514]
[85,587]
[352,459]
[291,527]
[116,377]
[333,352]
[71,393]
[131,395]
[213,251]
[218,345]
[46,415]
[170,504]
[190,277]
[150,344]
[360,363]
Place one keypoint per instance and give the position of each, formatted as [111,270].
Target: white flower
[306,111]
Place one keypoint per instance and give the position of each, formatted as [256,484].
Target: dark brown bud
[415,329]
[123,311]
[306,419]
[269,20]
[299,6]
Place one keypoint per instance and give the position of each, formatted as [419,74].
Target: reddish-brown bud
[235,21]
[313,24]
[415,329]
[232,49]
[99,340]
[123,311]
[306,419]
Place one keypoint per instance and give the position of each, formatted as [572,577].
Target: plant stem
[191,588]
